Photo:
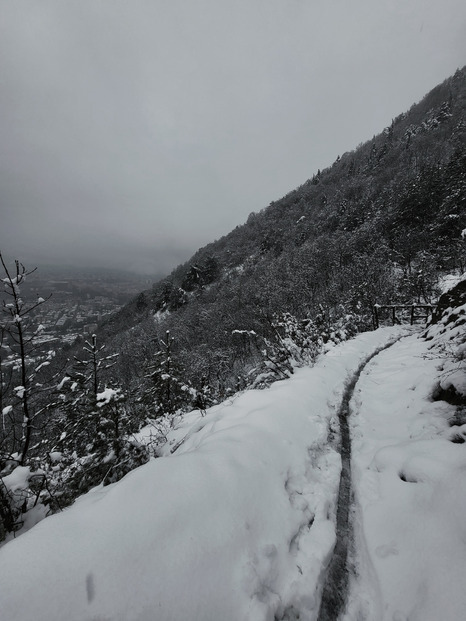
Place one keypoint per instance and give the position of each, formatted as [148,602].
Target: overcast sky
[134,131]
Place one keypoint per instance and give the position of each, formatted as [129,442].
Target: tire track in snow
[335,590]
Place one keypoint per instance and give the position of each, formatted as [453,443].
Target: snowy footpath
[409,482]
[238,523]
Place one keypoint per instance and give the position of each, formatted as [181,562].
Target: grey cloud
[134,132]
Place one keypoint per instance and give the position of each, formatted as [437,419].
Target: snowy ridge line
[335,590]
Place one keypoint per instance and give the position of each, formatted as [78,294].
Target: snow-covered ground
[410,492]
[448,281]
[239,522]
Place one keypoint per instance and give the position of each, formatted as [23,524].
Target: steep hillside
[377,226]
[239,517]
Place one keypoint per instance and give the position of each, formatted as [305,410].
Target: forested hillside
[381,225]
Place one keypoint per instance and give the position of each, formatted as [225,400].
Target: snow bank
[448,281]
[237,524]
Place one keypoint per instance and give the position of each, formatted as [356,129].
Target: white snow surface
[448,281]
[239,522]
[410,488]
[106,396]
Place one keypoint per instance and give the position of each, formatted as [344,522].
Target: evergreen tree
[166,392]
[94,427]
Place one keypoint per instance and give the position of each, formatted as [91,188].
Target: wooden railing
[396,309]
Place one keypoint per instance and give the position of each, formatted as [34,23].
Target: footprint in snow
[386,550]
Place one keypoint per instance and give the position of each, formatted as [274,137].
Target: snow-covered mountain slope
[239,522]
